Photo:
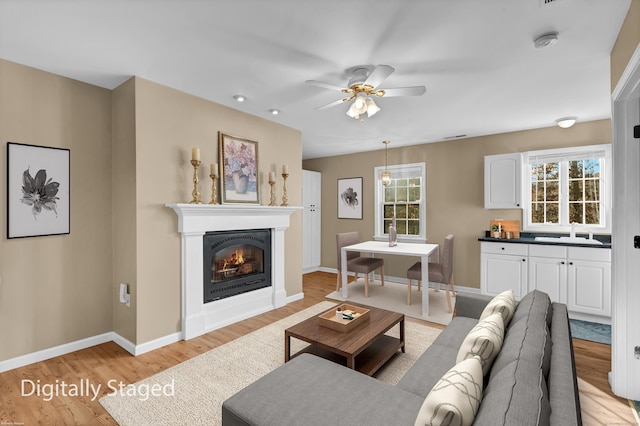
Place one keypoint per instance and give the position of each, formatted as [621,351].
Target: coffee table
[365,348]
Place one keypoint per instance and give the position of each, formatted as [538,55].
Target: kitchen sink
[570,240]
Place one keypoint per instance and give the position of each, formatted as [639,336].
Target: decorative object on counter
[506,226]
[496,230]
[195,162]
[213,174]
[239,170]
[393,236]
[350,198]
[285,175]
[272,191]
[508,235]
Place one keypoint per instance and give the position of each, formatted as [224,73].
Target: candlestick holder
[214,189]
[272,198]
[196,192]
[284,189]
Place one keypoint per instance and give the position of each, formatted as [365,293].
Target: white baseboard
[21,361]
[127,345]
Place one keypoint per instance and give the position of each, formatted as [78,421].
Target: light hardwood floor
[102,363]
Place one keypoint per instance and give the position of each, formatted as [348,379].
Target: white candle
[272,176]
[214,169]
[195,154]
[285,169]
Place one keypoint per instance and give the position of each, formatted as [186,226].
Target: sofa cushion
[455,398]
[310,390]
[504,303]
[527,338]
[484,340]
[517,395]
[534,303]
[437,359]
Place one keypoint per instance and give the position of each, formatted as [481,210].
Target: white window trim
[561,154]
[379,234]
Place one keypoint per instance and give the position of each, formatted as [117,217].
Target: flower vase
[240,182]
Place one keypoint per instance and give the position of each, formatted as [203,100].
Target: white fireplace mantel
[194,220]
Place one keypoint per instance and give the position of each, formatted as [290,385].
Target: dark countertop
[530,238]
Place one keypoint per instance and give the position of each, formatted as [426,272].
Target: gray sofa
[531,382]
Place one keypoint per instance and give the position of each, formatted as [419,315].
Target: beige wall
[57,289]
[124,207]
[168,124]
[455,191]
[626,44]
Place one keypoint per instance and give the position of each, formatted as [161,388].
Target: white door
[311,220]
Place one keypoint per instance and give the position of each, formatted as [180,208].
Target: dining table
[422,250]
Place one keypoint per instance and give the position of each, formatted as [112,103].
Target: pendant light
[385,176]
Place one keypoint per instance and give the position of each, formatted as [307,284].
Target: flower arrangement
[240,158]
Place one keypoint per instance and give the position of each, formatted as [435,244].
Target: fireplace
[194,222]
[235,262]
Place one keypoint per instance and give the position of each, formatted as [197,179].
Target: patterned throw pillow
[455,398]
[484,340]
[505,303]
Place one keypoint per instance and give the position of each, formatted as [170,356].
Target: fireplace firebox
[236,262]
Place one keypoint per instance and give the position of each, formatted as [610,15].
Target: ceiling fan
[363,86]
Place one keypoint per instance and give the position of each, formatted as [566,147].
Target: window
[404,198]
[565,186]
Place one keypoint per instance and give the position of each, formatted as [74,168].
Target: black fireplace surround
[236,262]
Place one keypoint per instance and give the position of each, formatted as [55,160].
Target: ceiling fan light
[566,122]
[351,112]
[372,108]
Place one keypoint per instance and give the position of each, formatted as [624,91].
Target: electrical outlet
[125,297]
[636,352]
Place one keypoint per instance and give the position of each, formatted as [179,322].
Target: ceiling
[476,59]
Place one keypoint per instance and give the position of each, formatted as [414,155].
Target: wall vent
[548,2]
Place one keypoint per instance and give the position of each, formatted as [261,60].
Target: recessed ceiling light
[274,111]
[566,122]
[546,40]
[240,98]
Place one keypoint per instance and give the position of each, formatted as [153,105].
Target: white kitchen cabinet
[311,220]
[589,281]
[502,176]
[503,267]
[548,271]
[580,277]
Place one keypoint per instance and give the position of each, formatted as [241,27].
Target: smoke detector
[546,40]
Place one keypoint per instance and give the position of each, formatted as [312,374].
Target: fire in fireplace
[236,262]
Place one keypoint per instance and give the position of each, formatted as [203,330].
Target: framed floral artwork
[38,192]
[239,162]
[350,198]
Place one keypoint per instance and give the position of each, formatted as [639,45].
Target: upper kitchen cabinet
[502,175]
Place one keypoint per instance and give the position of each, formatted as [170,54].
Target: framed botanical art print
[239,162]
[38,191]
[350,198]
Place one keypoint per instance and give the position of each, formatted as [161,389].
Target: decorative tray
[330,319]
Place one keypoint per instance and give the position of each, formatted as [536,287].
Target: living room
[130,150]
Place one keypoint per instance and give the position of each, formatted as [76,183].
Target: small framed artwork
[350,198]
[239,162]
[38,191]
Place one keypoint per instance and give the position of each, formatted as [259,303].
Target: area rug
[635,408]
[591,331]
[195,389]
[393,297]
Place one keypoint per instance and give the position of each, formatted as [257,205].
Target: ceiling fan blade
[404,91]
[378,75]
[334,103]
[325,85]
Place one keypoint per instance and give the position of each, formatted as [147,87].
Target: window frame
[396,173]
[564,156]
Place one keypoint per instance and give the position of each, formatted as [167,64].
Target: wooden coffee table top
[368,335]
